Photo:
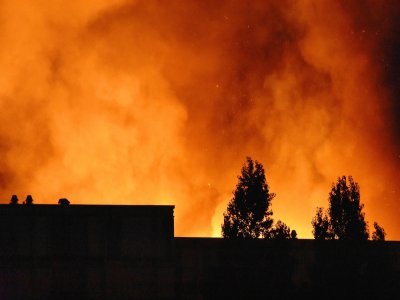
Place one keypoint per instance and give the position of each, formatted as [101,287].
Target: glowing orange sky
[159,102]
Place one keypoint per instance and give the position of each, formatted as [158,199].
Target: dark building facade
[214,268]
[130,252]
[86,251]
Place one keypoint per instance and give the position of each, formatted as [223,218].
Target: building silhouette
[130,252]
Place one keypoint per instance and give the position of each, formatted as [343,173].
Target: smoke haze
[156,102]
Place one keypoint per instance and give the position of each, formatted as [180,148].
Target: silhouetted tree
[345,216]
[14,200]
[63,202]
[29,200]
[379,233]
[248,214]
[321,227]
[280,231]
[293,234]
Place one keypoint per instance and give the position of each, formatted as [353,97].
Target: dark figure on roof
[63,202]
[14,200]
[29,200]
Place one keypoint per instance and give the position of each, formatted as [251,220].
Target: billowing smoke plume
[159,102]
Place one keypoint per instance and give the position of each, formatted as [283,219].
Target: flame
[135,102]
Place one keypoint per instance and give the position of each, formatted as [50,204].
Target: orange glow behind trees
[153,102]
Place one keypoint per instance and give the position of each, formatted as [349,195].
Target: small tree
[321,227]
[345,209]
[345,219]
[248,214]
[293,234]
[379,233]
[280,231]
[14,200]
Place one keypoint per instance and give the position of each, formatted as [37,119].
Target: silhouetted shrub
[379,233]
[280,231]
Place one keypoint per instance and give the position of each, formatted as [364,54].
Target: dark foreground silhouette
[130,252]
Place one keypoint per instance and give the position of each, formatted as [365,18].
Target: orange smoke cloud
[144,102]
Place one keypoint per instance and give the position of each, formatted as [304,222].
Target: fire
[144,102]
